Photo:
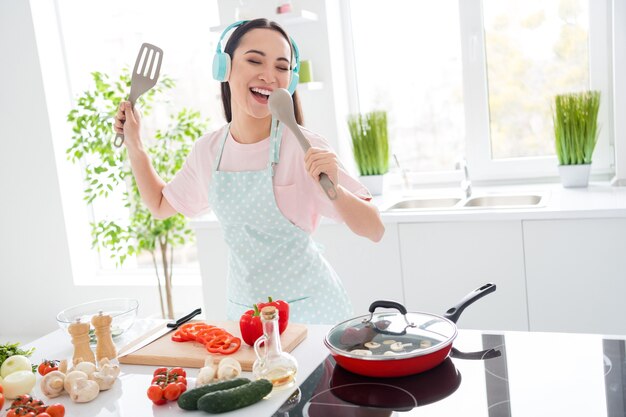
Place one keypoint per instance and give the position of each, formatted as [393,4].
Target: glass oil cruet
[272,363]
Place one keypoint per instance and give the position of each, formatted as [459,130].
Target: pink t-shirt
[299,197]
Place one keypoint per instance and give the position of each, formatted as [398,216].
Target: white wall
[36,274]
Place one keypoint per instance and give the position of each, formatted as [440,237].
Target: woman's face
[261,63]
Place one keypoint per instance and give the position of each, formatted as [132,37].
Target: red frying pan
[397,343]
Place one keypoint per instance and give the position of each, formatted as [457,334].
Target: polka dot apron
[269,255]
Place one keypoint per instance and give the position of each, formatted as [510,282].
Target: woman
[263,189]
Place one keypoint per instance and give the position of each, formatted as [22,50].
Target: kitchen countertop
[598,200]
[536,374]
[128,396]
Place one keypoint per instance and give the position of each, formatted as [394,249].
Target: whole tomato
[172,392]
[155,393]
[47,366]
[56,410]
[178,371]
[1,397]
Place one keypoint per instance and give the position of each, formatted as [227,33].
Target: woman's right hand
[128,122]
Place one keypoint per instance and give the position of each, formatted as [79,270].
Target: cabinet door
[576,275]
[370,271]
[442,262]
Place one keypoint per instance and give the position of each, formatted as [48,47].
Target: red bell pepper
[283,312]
[250,326]
[250,322]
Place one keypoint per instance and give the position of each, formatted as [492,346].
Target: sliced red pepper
[225,346]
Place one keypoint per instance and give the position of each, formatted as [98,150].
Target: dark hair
[233,43]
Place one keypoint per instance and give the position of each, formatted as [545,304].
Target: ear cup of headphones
[295,78]
[221,66]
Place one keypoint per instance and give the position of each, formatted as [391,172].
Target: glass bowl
[123,312]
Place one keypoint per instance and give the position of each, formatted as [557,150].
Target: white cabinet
[442,262]
[370,271]
[576,275]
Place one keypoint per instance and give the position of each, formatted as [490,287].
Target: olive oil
[272,363]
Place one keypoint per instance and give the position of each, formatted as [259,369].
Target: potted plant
[576,133]
[370,145]
[106,169]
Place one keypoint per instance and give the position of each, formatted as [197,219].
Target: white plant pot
[374,183]
[574,175]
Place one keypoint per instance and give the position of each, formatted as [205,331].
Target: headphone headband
[228,28]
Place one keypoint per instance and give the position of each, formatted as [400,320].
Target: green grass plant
[576,126]
[370,142]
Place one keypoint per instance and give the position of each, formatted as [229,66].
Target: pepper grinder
[105,347]
[80,339]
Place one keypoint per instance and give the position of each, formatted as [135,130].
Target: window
[411,66]
[105,37]
[475,79]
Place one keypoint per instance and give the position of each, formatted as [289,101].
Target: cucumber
[234,398]
[189,399]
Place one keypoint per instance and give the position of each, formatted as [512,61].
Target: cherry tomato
[183,387]
[172,392]
[181,379]
[159,371]
[178,371]
[47,366]
[11,413]
[56,410]
[44,414]
[155,393]
[1,397]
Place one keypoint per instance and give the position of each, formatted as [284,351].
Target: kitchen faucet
[466,183]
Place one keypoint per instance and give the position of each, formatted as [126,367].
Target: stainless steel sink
[504,201]
[425,203]
[524,200]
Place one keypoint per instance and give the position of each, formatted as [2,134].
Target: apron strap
[218,158]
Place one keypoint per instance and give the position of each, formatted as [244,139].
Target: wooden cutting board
[165,352]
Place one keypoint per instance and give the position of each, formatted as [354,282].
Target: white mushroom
[372,345]
[228,368]
[390,353]
[63,366]
[86,367]
[389,342]
[70,377]
[83,390]
[206,373]
[52,384]
[425,344]
[361,352]
[105,376]
[399,346]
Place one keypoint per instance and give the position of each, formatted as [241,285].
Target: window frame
[476,100]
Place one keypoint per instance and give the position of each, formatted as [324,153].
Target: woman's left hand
[317,160]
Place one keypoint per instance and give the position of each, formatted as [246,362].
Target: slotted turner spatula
[144,77]
[281,107]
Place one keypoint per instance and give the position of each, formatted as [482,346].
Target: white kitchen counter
[128,396]
[598,200]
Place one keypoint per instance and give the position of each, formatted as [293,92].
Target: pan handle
[479,355]
[454,313]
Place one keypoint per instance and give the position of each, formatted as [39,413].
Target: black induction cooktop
[530,374]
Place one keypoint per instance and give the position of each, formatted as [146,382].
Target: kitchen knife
[159,333]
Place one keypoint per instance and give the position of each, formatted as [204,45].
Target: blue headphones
[221,60]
